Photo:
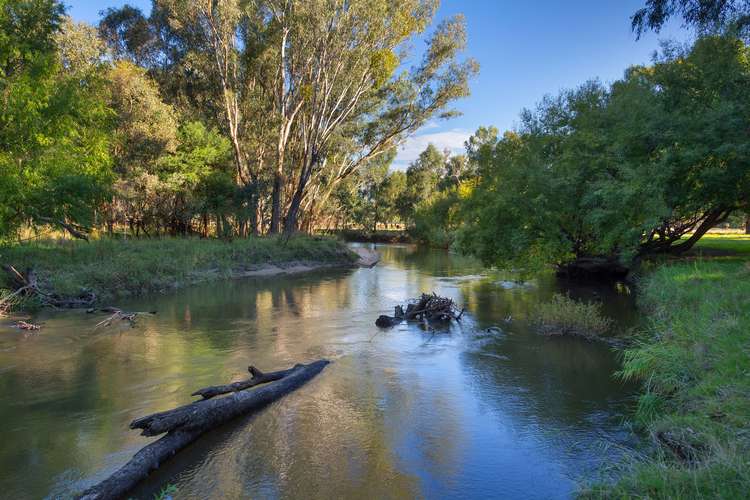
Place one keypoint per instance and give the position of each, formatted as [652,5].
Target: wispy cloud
[450,139]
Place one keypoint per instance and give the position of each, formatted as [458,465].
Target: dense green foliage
[54,159]
[222,118]
[617,172]
[693,359]
[708,16]
[423,199]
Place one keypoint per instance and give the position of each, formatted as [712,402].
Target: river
[400,413]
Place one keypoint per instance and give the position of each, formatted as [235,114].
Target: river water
[400,413]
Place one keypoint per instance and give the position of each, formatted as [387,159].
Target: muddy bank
[365,258]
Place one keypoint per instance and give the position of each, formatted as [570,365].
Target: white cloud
[450,139]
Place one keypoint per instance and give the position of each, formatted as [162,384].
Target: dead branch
[75,230]
[28,286]
[118,315]
[426,308]
[27,326]
[258,377]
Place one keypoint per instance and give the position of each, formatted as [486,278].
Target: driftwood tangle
[428,307]
[185,424]
[23,325]
[117,315]
[27,285]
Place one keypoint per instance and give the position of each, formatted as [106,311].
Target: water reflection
[400,413]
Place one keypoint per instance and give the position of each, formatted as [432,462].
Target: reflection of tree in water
[563,387]
[69,393]
[490,303]
[432,262]
[389,418]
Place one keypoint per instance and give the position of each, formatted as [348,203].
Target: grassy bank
[723,244]
[116,268]
[694,361]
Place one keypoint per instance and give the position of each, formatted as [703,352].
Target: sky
[525,49]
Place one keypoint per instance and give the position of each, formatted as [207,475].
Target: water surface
[400,413]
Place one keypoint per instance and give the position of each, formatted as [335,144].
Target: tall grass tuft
[566,316]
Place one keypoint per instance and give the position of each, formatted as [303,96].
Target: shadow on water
[400,413]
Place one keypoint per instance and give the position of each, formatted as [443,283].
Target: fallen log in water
[185,424]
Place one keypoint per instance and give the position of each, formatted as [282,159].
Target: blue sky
[525,49]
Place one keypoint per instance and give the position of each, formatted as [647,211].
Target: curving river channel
[401,413]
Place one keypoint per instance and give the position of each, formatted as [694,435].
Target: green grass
[694,361]
[566,316]
[113,268]
[728,244]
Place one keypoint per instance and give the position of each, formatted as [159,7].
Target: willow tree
[707,16]
[602,175]
[355,106]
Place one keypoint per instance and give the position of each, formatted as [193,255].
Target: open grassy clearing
[726,244]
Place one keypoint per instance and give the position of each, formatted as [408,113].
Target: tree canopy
[106,126]
[617,172]
[708,16]
[54,160]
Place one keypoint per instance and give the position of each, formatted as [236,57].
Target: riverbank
[113,269]
[694,359]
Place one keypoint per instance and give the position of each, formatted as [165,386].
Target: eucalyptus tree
[130,35]
[356,107]
[307,91]
[213,29]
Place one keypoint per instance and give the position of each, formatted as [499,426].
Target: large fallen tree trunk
[186,423]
